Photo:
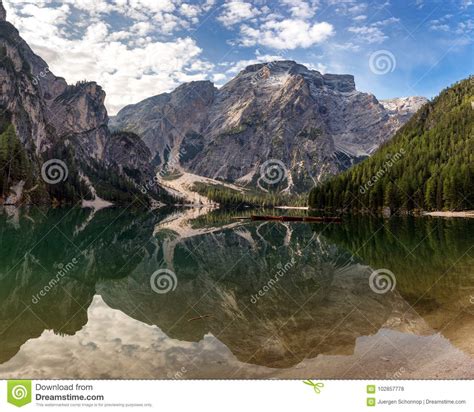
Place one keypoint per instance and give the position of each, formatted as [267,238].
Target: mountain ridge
[314,124]
[63,127]
[428,165]
[311,125]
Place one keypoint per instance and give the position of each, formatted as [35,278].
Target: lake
[189,293]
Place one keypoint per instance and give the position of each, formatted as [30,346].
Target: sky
[140,48]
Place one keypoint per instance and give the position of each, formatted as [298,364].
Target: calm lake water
[183,294]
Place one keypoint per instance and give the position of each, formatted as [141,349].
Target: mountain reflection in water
[315,315]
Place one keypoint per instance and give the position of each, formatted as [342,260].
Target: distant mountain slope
[315,125]
[55,145]
[429,164]
[401,109]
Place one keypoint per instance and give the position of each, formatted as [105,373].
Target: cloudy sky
[139,48]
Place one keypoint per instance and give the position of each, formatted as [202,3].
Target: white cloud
[189,10]
[445,24]
[286,27]
[300,9]
[360,17]
[358,8]
[130,64]
[350,46]
[219,79]
[237,12]
[166,16]
[348,7]
[465,27]
[436,26]
[386,22]
[286,34]
[320,67]
[135,348]
[142,28]
[232,68]
[369,34]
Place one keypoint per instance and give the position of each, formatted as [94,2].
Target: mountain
[55,145]
[280,112]
[401,109]
[428,165]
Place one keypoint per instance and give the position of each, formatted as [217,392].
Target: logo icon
[19,393]
[316,386]
[370,401]
[163,281]
[272,172]
[54,171]
[370,388]
[382,62]
[382,281]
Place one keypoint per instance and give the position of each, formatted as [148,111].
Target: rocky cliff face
[3,13]
[311,124]
[65,125]
[401,109]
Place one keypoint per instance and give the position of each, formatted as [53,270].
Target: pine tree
[435,171]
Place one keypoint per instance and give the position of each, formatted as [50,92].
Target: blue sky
[139,48]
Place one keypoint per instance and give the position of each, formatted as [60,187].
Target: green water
[81,296]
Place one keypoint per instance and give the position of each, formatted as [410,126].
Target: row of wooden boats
[334,219]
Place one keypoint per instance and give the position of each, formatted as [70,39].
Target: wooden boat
[335,219]
[263,217]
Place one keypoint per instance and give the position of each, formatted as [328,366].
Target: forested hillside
[429,164]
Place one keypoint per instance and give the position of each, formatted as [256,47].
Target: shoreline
[467,213]
[291,207]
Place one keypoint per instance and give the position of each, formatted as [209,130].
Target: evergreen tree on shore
[429,164]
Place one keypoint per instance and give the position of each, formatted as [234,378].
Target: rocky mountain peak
[48,120]
[400,109]
[202,89]
[3,13]
[314,124]
[281,70]
[405,104]
[201,84]
[276,66]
